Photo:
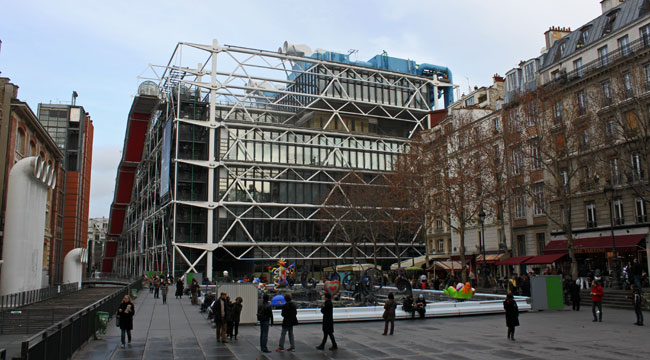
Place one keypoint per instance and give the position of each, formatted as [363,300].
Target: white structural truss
[246,146]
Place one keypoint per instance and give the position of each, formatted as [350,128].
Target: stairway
[613,298]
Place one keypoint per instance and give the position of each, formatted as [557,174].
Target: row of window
[617,212]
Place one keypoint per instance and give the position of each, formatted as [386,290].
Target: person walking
[574,294]
[156,287]
[221,313]
[194,291]
[328,323]
[265,317]
[597,301]
[289,315]
[389,313]
[512,315]
[164,289]
[125,313]
[236,316]
[179,288]
[637,301]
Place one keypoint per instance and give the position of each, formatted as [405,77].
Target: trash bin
[102,318]
[134,293]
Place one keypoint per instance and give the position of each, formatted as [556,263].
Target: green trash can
[102,318]
[134,293]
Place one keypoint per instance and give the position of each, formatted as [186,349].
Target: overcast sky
[99,48]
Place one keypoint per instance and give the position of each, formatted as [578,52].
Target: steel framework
[255,142]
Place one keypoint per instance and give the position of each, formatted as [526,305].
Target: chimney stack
[555,33]
[607,5]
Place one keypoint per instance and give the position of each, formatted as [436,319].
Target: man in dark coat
[574,294]
[221,314]
[179,288]
[264,316]
[290,318]
[512,315]
[328,323]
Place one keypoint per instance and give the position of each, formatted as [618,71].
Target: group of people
[159,286]
[289,320]
[226,315]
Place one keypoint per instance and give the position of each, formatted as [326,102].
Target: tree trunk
[461,249]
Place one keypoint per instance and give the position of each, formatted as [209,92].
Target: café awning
[595,244]
[544,259]
[448,265]
[351,267]
[490,258]
[411,262]
[514,260]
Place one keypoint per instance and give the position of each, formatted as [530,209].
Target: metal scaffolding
[245,146]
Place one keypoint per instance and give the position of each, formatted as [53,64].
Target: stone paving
[178,331]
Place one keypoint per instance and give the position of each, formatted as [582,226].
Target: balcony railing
[630,50]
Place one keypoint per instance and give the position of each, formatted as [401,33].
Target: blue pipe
[446,73]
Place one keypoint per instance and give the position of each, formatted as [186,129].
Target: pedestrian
[125,313]
[574,294]
[156,287]
[512,285]
[289,315]
[150,284]
[236,316]
[512,315]
[194,291]
[421,306]
[637,301]
[164,289]
[221,313]
[328,323]
[265,317]
[179,288]
[389,314]
[637,273]
[597,301]
[525,286]
[582,277]
[408,307]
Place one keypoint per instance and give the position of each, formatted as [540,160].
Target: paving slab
[178,330]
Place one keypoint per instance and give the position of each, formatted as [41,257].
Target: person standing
[328,323]
[194,291]
[597,301]
[637,300]
[389,314]
[236,316]
[164,289]
[289,315]
[637,273]
[156,287]
[574,294]
[125,313]
[179,288]
[512,315]
[221,314]
[265,317]
[512,285]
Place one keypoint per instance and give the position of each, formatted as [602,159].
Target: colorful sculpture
[261,287]
[278,300]
[279,274]
[332,287]
[463,292]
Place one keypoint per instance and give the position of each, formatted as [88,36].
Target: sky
[100,48]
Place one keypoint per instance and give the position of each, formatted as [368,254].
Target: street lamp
[481,219]
[608,190]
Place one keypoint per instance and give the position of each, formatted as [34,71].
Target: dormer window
[563,47]
[609,24]
[584,36]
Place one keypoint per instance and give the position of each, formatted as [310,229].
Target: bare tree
[552,138]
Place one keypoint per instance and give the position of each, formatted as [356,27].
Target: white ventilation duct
[295,49]
[73,265]
[22,250]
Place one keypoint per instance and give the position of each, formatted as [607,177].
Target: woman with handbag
[125,317]
[389,313]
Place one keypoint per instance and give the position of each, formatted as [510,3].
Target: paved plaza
[178,331]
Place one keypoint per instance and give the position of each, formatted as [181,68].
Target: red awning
[545,259]
[514,260]
[603,243]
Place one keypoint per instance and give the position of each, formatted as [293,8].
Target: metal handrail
[62,339]
[11,301]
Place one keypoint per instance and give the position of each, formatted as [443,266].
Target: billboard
[165,159]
